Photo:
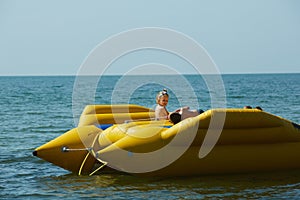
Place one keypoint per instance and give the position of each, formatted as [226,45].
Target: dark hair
[175,117]
[258,107]
[248,107]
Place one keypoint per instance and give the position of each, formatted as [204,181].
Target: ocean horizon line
[187,74]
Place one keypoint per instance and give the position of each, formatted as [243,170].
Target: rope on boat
[90,152]
[104,163]
[83,162]
[66,149]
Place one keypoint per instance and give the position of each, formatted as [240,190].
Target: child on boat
[183,113]
[162,98]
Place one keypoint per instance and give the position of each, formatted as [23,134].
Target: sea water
[35,110]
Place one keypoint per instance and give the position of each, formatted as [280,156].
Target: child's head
[162,97]
[175,117]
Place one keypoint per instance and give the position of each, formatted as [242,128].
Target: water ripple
[34,110]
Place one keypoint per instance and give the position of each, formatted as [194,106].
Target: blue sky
[242,36]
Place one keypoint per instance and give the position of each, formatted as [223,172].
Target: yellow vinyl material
[113,114]
[76,141]
[120,108]
[250,141]
[113,118]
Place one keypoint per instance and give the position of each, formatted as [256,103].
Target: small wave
[236,96]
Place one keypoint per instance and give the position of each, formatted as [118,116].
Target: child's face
[163,101]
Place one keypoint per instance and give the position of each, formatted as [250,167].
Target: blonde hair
[162,93]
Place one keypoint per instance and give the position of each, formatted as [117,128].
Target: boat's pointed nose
[69,150]
[34,153]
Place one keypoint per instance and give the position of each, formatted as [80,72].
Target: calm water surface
[35,110]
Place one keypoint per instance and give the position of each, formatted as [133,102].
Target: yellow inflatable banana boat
[125,138]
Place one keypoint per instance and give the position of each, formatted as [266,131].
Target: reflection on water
[260,185]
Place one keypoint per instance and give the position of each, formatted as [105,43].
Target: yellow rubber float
[125,138]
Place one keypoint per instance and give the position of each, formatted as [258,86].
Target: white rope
[66,149]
